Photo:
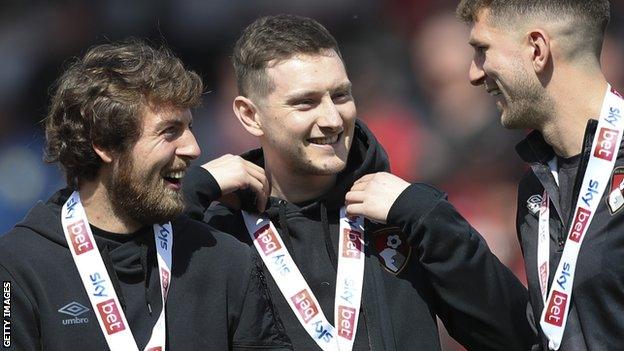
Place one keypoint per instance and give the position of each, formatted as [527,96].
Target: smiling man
[541,61]
[109,262]
[346,283]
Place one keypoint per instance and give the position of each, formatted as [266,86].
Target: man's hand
[373,195]
[233,173]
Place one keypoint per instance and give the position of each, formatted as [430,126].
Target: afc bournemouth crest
[392,249]
[533,204]
[615,201]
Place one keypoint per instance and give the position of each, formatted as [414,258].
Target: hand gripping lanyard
[298,294]
[97,282]
[604,151]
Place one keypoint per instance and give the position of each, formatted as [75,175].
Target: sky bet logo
[79,238]
[607,142]
[305,305]
[592,190]
[163,237]
[352,244]
[99,289]
[267,239]
[110,316]
[346,322]
[580,222]
[556,308]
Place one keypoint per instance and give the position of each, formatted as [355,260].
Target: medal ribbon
[97,282]
[294,288]
[604,152]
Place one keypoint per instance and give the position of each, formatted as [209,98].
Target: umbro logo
[75,310]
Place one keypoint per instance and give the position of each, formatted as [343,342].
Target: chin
[330,168]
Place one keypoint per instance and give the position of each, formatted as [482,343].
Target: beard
[142,197]
[529,105]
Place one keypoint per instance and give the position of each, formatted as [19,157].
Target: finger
[254,166]
[366,178]
[355,209]
[360,185]
[355,197]
[258,188]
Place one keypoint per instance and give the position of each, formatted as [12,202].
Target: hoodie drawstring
[146,277]
[328,242]
[112,273]
[284,225]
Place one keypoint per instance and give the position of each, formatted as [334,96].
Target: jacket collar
[534,149]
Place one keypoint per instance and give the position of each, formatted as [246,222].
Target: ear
[105,155]
[247,113]
[539,41]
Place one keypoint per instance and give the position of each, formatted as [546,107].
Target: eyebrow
[175,121]
[346,86]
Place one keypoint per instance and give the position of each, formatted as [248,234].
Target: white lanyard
[98,284]
[604,151]
[298,294]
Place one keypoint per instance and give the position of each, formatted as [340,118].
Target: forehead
[308,72]
[154,115]
[484,30]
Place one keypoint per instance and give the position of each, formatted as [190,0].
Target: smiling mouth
[174,177]
[494,92]
[328,140]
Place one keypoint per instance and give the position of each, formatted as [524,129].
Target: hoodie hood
[365,156]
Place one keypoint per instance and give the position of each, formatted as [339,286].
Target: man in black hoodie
[423,261]
[95,266]
[541,60]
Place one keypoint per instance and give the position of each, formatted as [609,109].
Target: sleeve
[259,325]
[200,189]
[481,302]
[20,326]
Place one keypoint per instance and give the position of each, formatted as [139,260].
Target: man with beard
[95,266]
[541,60]
[346,283]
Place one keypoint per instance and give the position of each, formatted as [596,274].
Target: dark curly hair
[275,38]
[99,99]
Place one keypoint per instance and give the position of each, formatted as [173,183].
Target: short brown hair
[275,38]
[588,19]
[99,100]
[594,14]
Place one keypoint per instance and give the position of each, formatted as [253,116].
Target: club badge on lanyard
[604,152]
[99,286]
[298,294]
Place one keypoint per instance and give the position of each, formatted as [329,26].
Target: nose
[188,146]
[330,117]
[477,74]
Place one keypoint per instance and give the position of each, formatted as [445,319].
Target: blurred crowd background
[408,61]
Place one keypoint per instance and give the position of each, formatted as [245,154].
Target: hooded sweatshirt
[426,262]
[214,302]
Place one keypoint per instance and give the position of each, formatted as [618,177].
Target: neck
[297,188]
[576,101]
[98,207]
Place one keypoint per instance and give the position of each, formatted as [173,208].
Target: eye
[170,132]
[341,97]
[304,104]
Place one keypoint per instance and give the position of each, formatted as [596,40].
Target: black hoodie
[217,298]
[438,264]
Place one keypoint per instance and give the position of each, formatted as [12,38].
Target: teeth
[324,141]
[175,175]
[494,92]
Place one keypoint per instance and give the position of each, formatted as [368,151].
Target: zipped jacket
[595,319]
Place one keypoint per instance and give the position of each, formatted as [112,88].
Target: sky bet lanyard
[602,159]
[97,282]
[298,294]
